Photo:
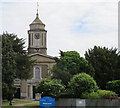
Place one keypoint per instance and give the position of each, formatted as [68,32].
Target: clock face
[37,36]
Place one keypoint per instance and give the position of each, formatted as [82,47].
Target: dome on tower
[37,24]
[37,20]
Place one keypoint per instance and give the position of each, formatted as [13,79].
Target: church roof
[37,20]
[37,53]
[42,58]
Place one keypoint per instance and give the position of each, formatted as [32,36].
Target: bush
[81,83]
[106,94]
[67,94]
[114,86]
[103,94]
[93,95]
[70,63]
[48,87]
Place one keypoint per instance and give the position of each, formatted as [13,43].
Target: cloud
[70,25]
[46,1]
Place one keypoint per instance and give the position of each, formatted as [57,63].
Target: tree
[106,63]
[23,61]
[15,63]
[24,64]
[114,86]
[69,64]
[103,94]
[9,68]
[82,83]
[48,87]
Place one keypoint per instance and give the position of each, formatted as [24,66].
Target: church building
[37,50]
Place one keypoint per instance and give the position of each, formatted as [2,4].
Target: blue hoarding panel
[47,101]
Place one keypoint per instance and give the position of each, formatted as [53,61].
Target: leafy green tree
[23,66]
[23,61]
[106,63]
[114,86]
[8,67]
[82,83]
[69,64]
[48,87]
[15,63]
[106,94]
[103,94]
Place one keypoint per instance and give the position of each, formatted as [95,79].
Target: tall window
[42,39]
[37,73]
[32,38]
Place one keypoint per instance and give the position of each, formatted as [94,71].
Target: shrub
[93,95]
[67,94]
[114,86]
[81,83]
[106,94]
[48,87]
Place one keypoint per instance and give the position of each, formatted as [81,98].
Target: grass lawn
[33,104]
[6,103]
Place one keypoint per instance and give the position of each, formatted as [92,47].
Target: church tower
[37,37]
[37,51]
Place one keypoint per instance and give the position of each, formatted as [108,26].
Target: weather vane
[37,9]
[37,6]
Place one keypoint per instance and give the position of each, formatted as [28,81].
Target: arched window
[37,73]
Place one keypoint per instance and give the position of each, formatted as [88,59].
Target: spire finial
[37,9]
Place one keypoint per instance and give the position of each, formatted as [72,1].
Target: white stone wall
[37,43]
[36,26]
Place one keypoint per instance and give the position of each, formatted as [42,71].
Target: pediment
[42,58]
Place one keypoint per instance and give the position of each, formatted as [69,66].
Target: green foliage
[9,66]
[67,93]
[114,86]
[105,93]
[12,90]
[92,95]
[48,87]
[61,74]
[100,94]
[106,63]
[70,63]
[5,88]
[15,63]
[81,83]
[24,63]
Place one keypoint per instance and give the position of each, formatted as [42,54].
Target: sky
[72,25]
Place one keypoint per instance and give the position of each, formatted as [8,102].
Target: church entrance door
[17,94]
[33,92]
